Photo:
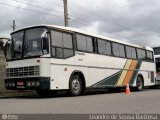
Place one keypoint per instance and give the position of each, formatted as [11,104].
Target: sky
[133,21]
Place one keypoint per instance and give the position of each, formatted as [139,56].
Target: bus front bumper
[28,83]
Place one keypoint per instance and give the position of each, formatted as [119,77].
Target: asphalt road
[147,101]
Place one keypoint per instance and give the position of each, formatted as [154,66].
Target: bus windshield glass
[17,40]
[29,43]
[33,42]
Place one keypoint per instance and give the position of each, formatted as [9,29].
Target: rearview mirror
[45,45]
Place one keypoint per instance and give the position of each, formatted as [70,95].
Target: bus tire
[75,85]
[139,83]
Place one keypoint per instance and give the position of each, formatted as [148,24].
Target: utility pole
[14,25]
[66,19]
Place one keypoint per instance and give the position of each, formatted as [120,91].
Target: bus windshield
[17,40]
[29,43]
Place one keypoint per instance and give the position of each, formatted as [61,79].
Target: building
[156,50]
[3,41]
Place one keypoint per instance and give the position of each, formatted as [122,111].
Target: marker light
[38,61]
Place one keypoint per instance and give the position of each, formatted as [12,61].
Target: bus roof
[4,40]
[70,29]
[156,47]
[156,56]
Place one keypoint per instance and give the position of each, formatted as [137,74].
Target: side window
[89,44]
[108,48]
[68,53]
[104,47]
[84,43]
[101,46]
[57,44]
[62,45]
[141,54]
[56,38]
[81,42]
[68,45]
[115,49]
[121,51]
[59,52]
[149,56]
[134,53]
[118,50]
[131,52]
[67,41]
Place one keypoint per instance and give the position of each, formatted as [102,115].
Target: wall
[2,72]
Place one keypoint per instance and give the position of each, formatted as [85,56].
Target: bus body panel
[60,72]
[44,67]
[146,70]
[60,75]
[157,64]
[95,73]
[22,63]
[43,63]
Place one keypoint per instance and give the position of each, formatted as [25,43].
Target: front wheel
[75,85]
[139,83]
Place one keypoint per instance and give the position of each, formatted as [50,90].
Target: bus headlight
[28,83]
[37,83]
[10,84]
[13,84]
[33,83]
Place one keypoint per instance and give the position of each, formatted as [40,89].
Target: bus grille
[23,71]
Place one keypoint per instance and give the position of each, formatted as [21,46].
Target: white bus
[49,58]
[157,62]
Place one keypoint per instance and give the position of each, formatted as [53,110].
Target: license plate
[20,83]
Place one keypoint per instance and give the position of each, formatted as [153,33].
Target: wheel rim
[75,85]
[139,83]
